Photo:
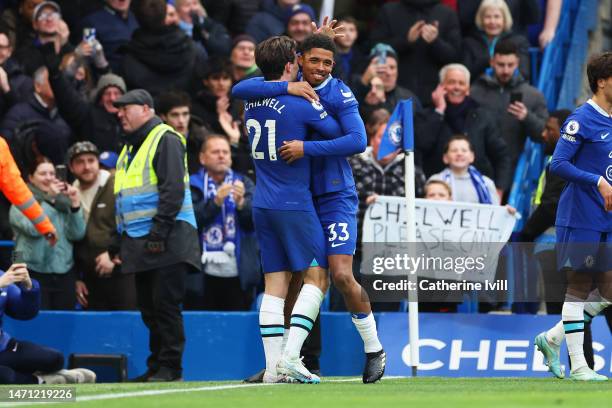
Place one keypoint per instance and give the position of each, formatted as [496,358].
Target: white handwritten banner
[445,230]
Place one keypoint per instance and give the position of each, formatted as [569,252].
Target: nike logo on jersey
[603,137]
[346,94]
[337,244]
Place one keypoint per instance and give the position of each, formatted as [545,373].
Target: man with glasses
[48,27]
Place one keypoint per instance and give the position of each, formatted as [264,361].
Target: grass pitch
[430,392]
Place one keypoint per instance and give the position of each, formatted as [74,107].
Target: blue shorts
[338,214]
[289,240]
[584,250]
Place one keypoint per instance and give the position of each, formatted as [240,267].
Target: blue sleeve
[23,304]
[562,161]
[352,141]
[256,88]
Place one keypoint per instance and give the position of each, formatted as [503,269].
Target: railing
[560,79]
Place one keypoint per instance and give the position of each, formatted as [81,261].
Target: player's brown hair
[599,67]
[273,54]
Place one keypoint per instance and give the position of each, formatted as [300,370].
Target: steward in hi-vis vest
[156,228]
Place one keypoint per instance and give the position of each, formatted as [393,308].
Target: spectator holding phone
[51,266]
[519,108]
[378,87]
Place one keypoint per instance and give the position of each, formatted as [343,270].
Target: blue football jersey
[269,123]
[584,154]
[333,173]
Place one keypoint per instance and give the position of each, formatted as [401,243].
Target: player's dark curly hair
[273,54]
[599,67]
[317,41]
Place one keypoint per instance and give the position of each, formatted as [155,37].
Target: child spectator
[466,182]
[438,190]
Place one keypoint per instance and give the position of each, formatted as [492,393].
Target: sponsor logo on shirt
[568,138]
[317,105]
[572,127]
[346,94]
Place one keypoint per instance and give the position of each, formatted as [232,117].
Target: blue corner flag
[399,132]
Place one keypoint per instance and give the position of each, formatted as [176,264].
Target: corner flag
[399,132]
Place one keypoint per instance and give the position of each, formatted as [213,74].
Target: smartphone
[89,34]
[17,257]
[516,97]
[61,173]
[382,57]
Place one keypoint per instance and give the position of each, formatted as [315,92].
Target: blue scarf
[484,197]
[220,239]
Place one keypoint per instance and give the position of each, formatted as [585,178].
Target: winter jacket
[112,30]
[30,55]
[419,62]
[372,178]
[160,60]
[88,120]
[392,98]
[17,303]
[488,92]
[477,57]
[53,137]
[21,86]
[268,22]
[39,255]
[17,192]
[432,133]
[99,228]
[206,211]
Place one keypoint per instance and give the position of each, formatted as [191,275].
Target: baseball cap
[134,97]
[80,148]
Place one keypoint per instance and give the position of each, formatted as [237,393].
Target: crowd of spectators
[63,64]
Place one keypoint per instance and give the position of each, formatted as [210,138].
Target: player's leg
[275,265]
[272,320]
[338,215]
[303,316]
[306,250]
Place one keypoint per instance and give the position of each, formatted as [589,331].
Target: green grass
[431,392]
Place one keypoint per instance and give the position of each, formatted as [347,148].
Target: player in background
[286,224]
[583,157]
[333,186]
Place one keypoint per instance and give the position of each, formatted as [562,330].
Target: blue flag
[399,133]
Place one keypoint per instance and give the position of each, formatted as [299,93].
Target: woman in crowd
[494,23]
[51,266]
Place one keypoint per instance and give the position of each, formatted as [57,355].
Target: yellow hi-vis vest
[136,192]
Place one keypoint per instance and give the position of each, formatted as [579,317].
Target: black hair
[599,67]
[561,115]
[172,99]
[150,14]
[506,47]
[273,54]
[216,67]
[317,41]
